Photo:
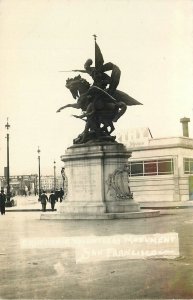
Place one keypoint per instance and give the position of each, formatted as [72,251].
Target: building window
[188,165]
[165,167]
[151,167]
[136,168]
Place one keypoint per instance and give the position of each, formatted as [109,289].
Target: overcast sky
[150,41]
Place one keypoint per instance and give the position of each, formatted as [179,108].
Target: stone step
[105,216]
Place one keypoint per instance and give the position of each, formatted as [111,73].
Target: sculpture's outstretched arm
[73,105]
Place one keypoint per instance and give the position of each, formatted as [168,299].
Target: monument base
[102,216]
[122,206]
[98,185]
[82,207]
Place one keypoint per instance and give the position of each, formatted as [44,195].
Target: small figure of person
[61,194]
[2,202]
[56,195]
[52,199]
[100,78]
[43,199]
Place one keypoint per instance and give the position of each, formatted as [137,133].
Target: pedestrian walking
[43,199]
[61,194]
[2,202]
[52,200]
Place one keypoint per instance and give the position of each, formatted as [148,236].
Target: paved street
[52,273]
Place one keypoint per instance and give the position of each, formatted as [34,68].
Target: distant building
[28,184]
[160,169]
[47,183]
[20,184]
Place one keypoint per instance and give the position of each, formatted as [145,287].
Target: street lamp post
[8,179]
[54,176]
[39,172]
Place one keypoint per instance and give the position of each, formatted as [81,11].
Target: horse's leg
[112,127]
[108,124]
[123,108]
[73,105]
[104,128]
[86,130]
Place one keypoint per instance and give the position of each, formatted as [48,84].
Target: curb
[142,207]
[29,209]
[165,207]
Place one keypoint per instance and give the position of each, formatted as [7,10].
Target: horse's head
[77,86]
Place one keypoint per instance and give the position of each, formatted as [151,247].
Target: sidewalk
[167,205]
[28,203]
[31,203]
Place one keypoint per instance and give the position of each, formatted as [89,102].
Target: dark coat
[61,193]
[2,199]
[43,198]
[52,198]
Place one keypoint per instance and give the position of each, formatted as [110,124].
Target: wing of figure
[123,97]
[98,92]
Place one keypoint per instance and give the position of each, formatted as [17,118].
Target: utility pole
[8,175]
[54,176]
[39,172]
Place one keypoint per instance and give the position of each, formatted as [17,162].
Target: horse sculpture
[99,109]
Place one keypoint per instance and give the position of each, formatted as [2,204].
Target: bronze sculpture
[101,103]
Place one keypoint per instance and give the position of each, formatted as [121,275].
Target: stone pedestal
[97,183]
[88,169]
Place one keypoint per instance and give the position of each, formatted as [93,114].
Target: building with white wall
[160,169]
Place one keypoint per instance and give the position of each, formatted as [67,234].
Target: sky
[149,40]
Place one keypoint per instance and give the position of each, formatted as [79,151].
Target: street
[52,273]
